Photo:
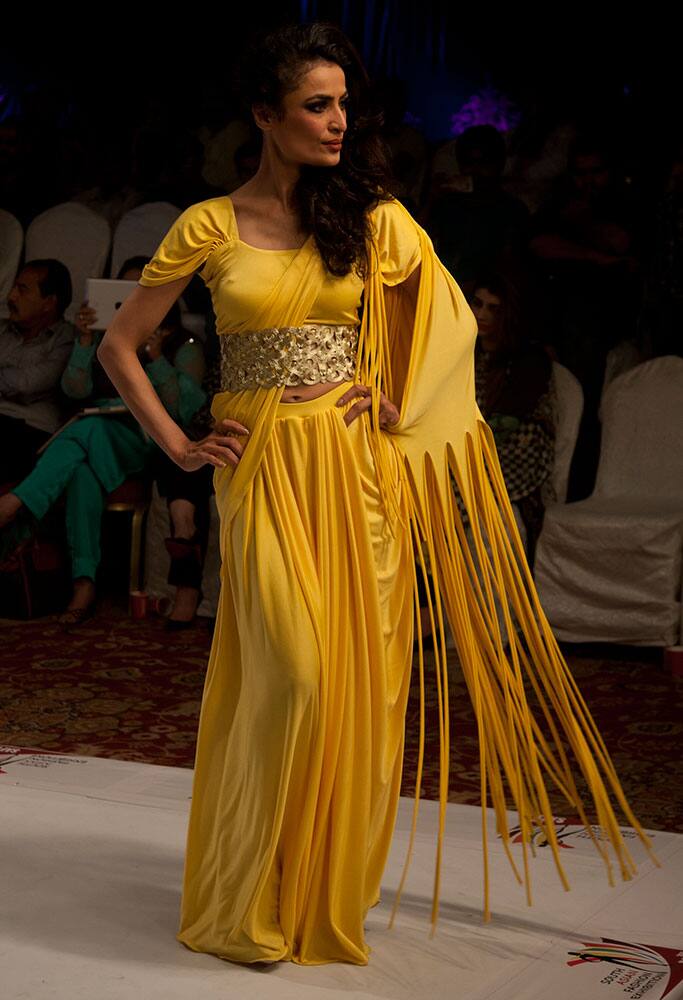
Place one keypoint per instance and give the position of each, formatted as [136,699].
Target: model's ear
[264,116]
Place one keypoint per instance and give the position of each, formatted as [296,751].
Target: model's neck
[274,180]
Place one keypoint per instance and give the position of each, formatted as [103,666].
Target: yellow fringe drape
[421,357]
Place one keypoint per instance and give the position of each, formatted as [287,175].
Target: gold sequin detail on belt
[288,355]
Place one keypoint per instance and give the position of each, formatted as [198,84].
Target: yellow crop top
[205,236]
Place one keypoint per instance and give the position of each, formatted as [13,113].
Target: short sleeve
[193,237]
[398,241]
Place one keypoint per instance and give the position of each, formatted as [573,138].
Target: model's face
[487,309]
[314,117]
[26,303]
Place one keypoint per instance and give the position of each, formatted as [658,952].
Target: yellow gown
[300,741]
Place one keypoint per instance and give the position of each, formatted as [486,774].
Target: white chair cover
[621,358]
[76,236]
[568,403]
[568,410]
[11,244]
[609,568]
[140,231]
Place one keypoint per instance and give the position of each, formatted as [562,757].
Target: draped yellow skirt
[301,732]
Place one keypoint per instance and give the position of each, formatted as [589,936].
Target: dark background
[113,109]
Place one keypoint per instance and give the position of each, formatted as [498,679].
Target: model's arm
[411,286]
[179,383]
[389,409]
[139,316]
[406,290]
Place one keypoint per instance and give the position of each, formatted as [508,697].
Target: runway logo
[638,970]
[9,754]
[28,757]
[567,829]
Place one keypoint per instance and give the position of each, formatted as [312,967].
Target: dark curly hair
[521,325]
[332,202]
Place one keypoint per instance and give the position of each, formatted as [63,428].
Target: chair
[608,568]
[133,495]
[157,559]
[78,237]
[11,245]
[567,406]
[621,358]
[140,231]
[568,410]
[138,234]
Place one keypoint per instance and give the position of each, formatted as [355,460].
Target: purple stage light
[488,107]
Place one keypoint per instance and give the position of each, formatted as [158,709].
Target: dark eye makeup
[319,105]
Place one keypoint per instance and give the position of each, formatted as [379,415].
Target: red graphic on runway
[567,828]
[10,754]
[639,969]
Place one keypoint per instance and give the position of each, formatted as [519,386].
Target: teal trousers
[87,461]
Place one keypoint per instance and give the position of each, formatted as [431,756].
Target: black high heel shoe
[180,624]
[186,569]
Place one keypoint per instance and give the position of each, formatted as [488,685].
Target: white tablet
[105,295]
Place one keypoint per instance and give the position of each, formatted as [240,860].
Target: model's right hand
[217,448]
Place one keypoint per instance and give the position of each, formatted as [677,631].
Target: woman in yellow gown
[337,430]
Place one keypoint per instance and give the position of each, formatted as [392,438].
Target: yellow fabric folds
[423,359]
[300,740]
[237,274]
[273,516]
[301,732]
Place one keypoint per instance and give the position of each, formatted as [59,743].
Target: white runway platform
[92,859]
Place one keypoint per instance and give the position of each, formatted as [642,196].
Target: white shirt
[30,371]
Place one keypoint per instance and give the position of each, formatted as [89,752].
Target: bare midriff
[297,393]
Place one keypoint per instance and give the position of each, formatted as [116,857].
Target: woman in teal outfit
[95,454]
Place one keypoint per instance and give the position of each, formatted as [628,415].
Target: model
[337,431]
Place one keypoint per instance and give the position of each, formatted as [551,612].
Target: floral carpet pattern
[130,690]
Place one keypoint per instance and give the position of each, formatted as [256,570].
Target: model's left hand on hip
[388,413]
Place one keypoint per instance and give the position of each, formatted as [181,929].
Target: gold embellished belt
[288,355]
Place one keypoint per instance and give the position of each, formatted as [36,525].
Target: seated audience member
[472,220]
[187,494]
[188,497]
[406,143]
[514,391]
[35,344]
[92,456]
[662,325]
[585,245]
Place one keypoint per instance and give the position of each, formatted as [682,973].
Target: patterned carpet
[129,690]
